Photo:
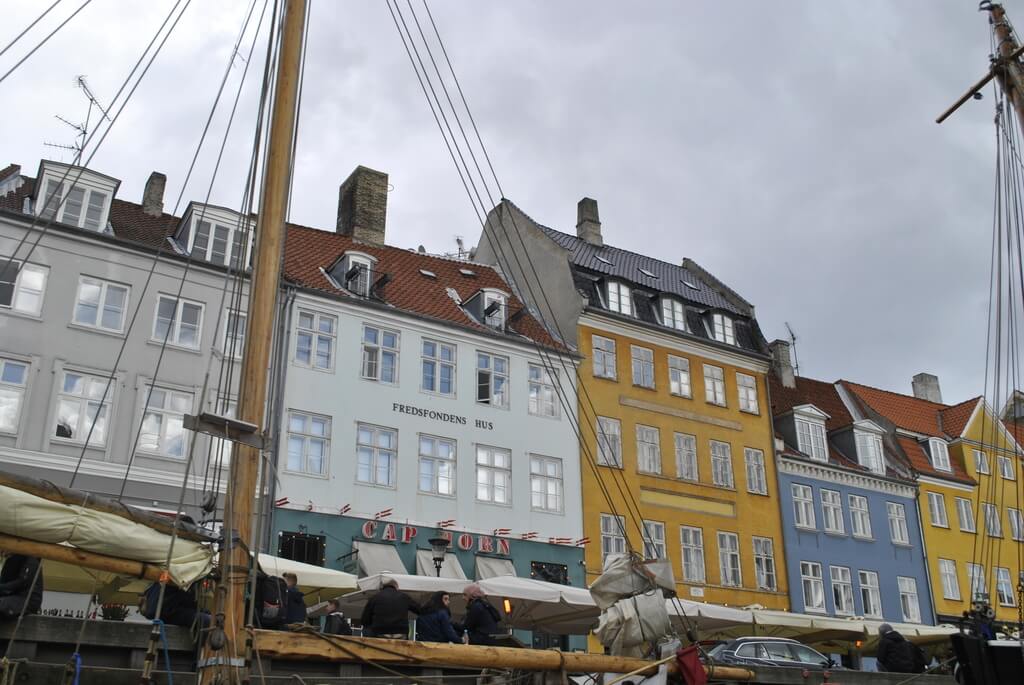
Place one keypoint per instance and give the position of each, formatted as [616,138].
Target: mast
[1008,71]
[266,272]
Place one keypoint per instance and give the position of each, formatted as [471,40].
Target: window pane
[88,302]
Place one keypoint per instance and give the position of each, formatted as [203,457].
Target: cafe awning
[450,568]
[375,559]
[489,567]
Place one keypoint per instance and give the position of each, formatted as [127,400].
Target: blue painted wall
[878,554]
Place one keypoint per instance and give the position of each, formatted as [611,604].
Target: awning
[451,568]
[489,567]
[313,580]
[374,559]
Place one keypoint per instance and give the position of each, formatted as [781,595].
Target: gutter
[924,560]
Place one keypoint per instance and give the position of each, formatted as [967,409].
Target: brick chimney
[926,387]
[153,195]
[782,363]
[588,225]
[363,205]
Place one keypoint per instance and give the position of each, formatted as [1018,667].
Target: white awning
[489,567]
[313,580]
[374,558]
[451,568]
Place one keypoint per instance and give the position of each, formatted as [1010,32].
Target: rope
[76,658]
[167,651]
[44,40]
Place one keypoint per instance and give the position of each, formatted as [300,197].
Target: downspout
[278,382]
[924,557]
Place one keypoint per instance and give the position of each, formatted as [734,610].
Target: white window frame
[722,329]
[497,319]
[12,391]
[870,593]
[910,603]
[757,475]
[307,436]
[1016,519]
[620,299]
[977,584]
[495,398]
[948,579]
[374,351]
[965,515]
[993,520]
[1005,592]
[232,341]
[642,366]
[812,584]
[175,324]
[243,240]
[842,590]
[360,283]
[803,506]
[487,472]
[609,442]
[58,209]
[1006,469]
[764,563]
[687,467]
[547,484]
[898,531]
[21,290]
[437,362]
[860,517]
[937,510]
[85,400]
[429,452]
[376,454]
[832,511]
[613,535]
[939,452]
[604,357]
[870,451]
[691,541]
[648,449]
[721,465]
[316,335]
[673,314]
[981,463]
[543,400]
[679,376]
[102,305]
[654,539]
[811,439]
[714,385]
[747,388]
[167,416]
[729,568]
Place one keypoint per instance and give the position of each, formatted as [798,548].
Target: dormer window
[810,431]
[673,314]
[217,236]
[869,451]
[74,196]
[940,454]
[495,307]
[722,329]
[619,299]
[354,272]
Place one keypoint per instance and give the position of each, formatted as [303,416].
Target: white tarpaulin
[35,518]
[313,580]
[374,558]
[488,567]
[450,568]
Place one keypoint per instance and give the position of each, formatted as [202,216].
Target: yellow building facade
[682,457]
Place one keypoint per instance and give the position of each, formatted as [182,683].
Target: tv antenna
[81,130]
[460,249]
[792,346]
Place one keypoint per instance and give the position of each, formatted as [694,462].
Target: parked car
[770,651]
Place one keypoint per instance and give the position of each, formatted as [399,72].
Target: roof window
[722,329]
[603,260]
[354,272]
[645,272]
[218,236]
[940,454]
[489,307]
[428,274]
[689,284]
[619,299]
[673,314]
[75,196]
[468,273]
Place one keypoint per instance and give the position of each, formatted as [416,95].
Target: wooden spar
[1008,70]
[308,646]
[54,493]
[266,273]
[77,557]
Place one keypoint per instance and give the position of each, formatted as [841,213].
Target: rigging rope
[43,41]
[29,27]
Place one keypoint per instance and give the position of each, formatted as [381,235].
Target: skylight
[468,273]
[603,260]
[645,272]
[689,284]
[428,274]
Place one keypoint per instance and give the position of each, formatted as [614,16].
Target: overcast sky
[788,147]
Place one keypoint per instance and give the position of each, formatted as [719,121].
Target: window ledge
[835,533]
[163,457]
[427,493]
[863,538]
[752,413]
[808,529]
[21,315]
[486,404]
[97,329]
[905,545]
[755,492]
[645,387]
[75,443]
[494,504]
[307,367]
[552,512]
[356,482]
[685,397]
[730,488]
[171,346]
[612,466]
[544,416]
[439,395]
[614,379]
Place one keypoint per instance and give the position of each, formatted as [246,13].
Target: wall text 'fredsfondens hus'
[439,416]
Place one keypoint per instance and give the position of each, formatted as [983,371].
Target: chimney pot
[782,363]
[588,225]
[153,195]
[363,205]
[926,387]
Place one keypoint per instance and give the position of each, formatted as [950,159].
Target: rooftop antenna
[792,346]
[460,252]
[81,130]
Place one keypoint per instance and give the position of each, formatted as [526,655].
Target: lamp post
[438,546]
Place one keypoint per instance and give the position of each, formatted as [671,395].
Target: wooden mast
[266,272]
[1008,71]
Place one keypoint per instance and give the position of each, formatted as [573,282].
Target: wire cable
[43,41]
[29,27]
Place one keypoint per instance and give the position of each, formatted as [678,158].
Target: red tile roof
[955,418]
[918,458]
[909,413]
[809,391]
[8,171]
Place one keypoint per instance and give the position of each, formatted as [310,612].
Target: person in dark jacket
[179,607]
[295,604]
[336,623]
[481,622]
[21,586]
[435,621]
[896,654]
[387,612]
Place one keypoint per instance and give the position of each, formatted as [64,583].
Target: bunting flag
[559,541]
[281,502]
[502,531]
[345,509]
[447,523]
[381,514]
[528,536]
[582,542]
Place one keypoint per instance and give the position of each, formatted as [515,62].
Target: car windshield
[717,649]
[808,656]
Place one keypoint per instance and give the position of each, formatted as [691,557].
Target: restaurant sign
[393,532]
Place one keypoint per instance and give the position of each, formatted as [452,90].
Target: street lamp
[439,546]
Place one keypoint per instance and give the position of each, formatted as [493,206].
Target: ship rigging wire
[29,27]
[43,41]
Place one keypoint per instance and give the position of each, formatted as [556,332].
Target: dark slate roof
[626,265]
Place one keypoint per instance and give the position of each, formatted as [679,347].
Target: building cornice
[942,482]
[832,474]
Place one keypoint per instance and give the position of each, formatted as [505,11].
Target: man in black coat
[481,622]
[896,654]
[21,585]
[387,612]
[295,603]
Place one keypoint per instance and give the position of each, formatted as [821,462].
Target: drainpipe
[278,381]
[924,557]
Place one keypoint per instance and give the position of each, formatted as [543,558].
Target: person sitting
[295,603]
[896,654]
[21,586]
[481,622]
[387,612]
[179,607]
[435,621]
[336,623]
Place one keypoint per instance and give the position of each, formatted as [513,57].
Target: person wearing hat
[481,622]
[387,612]
[896,654]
